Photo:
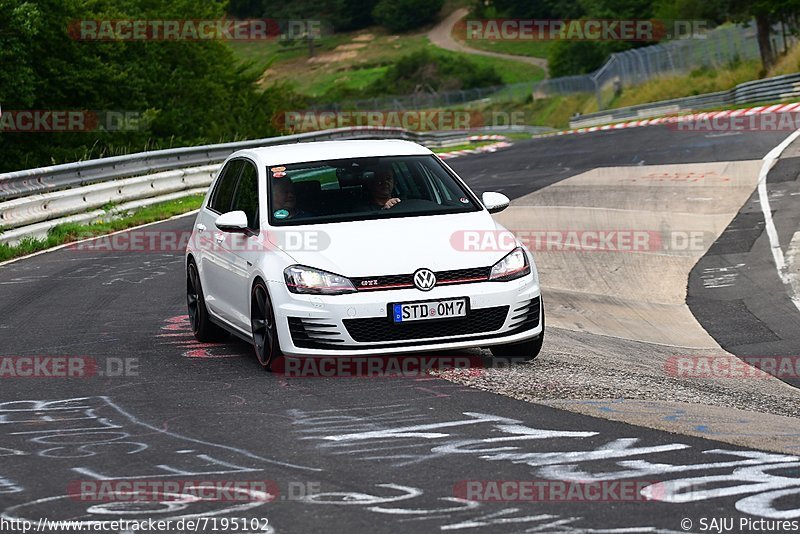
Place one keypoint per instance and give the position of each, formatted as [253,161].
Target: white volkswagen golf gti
[353,248]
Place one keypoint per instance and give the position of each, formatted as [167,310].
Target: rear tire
[265,329]
[524,351]
[202,327]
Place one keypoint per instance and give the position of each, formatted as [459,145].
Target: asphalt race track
[346,454]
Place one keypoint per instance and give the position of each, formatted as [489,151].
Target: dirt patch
[333,57]
[265,77]
[350,46]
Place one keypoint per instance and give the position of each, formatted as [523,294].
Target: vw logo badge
[424,279]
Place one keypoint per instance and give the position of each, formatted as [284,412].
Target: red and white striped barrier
[502,143]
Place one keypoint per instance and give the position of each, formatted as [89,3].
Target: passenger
[284,200]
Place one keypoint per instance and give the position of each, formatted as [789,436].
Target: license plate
[405,312]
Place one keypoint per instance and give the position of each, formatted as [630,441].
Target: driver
[380,190]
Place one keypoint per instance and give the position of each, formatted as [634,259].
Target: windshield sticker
[279,174]
[280,214]
[464,200]
[278,169]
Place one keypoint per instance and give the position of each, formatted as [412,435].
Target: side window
[223,192]
[246,196]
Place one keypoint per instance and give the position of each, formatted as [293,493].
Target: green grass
[553,112]
[356,79]
[516,136]
[443,149]
[66,233]
[510,71]
[700,81]
[515,48]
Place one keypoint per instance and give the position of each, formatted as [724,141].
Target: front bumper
[357,323]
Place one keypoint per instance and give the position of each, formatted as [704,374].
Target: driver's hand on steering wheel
[391,203]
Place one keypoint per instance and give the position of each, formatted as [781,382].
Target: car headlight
[306,280]
[514,265]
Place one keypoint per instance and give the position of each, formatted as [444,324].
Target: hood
[402,245]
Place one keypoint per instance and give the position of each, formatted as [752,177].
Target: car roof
[325,150]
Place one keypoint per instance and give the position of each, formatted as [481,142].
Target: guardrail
[33,201]
[770,89]
[20,183]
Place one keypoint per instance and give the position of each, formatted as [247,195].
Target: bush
[405,15]
[426,71]
[567,58]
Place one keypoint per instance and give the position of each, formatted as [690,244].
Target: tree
[766,13]
[405,15]
[192,92]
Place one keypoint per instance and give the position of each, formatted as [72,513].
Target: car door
[243,248]
[213,260]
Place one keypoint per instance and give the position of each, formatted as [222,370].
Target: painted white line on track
[793,267]
[777,254]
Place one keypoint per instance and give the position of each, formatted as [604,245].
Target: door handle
[220,237]
[200,227]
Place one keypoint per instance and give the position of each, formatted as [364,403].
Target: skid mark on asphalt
[686,177]
[179,333]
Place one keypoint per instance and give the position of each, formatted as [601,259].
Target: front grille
[401,281]
[313,333]
[525,315]
[376,329]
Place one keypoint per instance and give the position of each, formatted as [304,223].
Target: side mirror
[233,221]
[495,202]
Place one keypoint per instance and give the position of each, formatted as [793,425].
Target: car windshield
[362,189]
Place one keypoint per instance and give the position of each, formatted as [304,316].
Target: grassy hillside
[557,111]
[354,60]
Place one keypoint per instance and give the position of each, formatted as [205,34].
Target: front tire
[202,327]
[526,350]
[264,328]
